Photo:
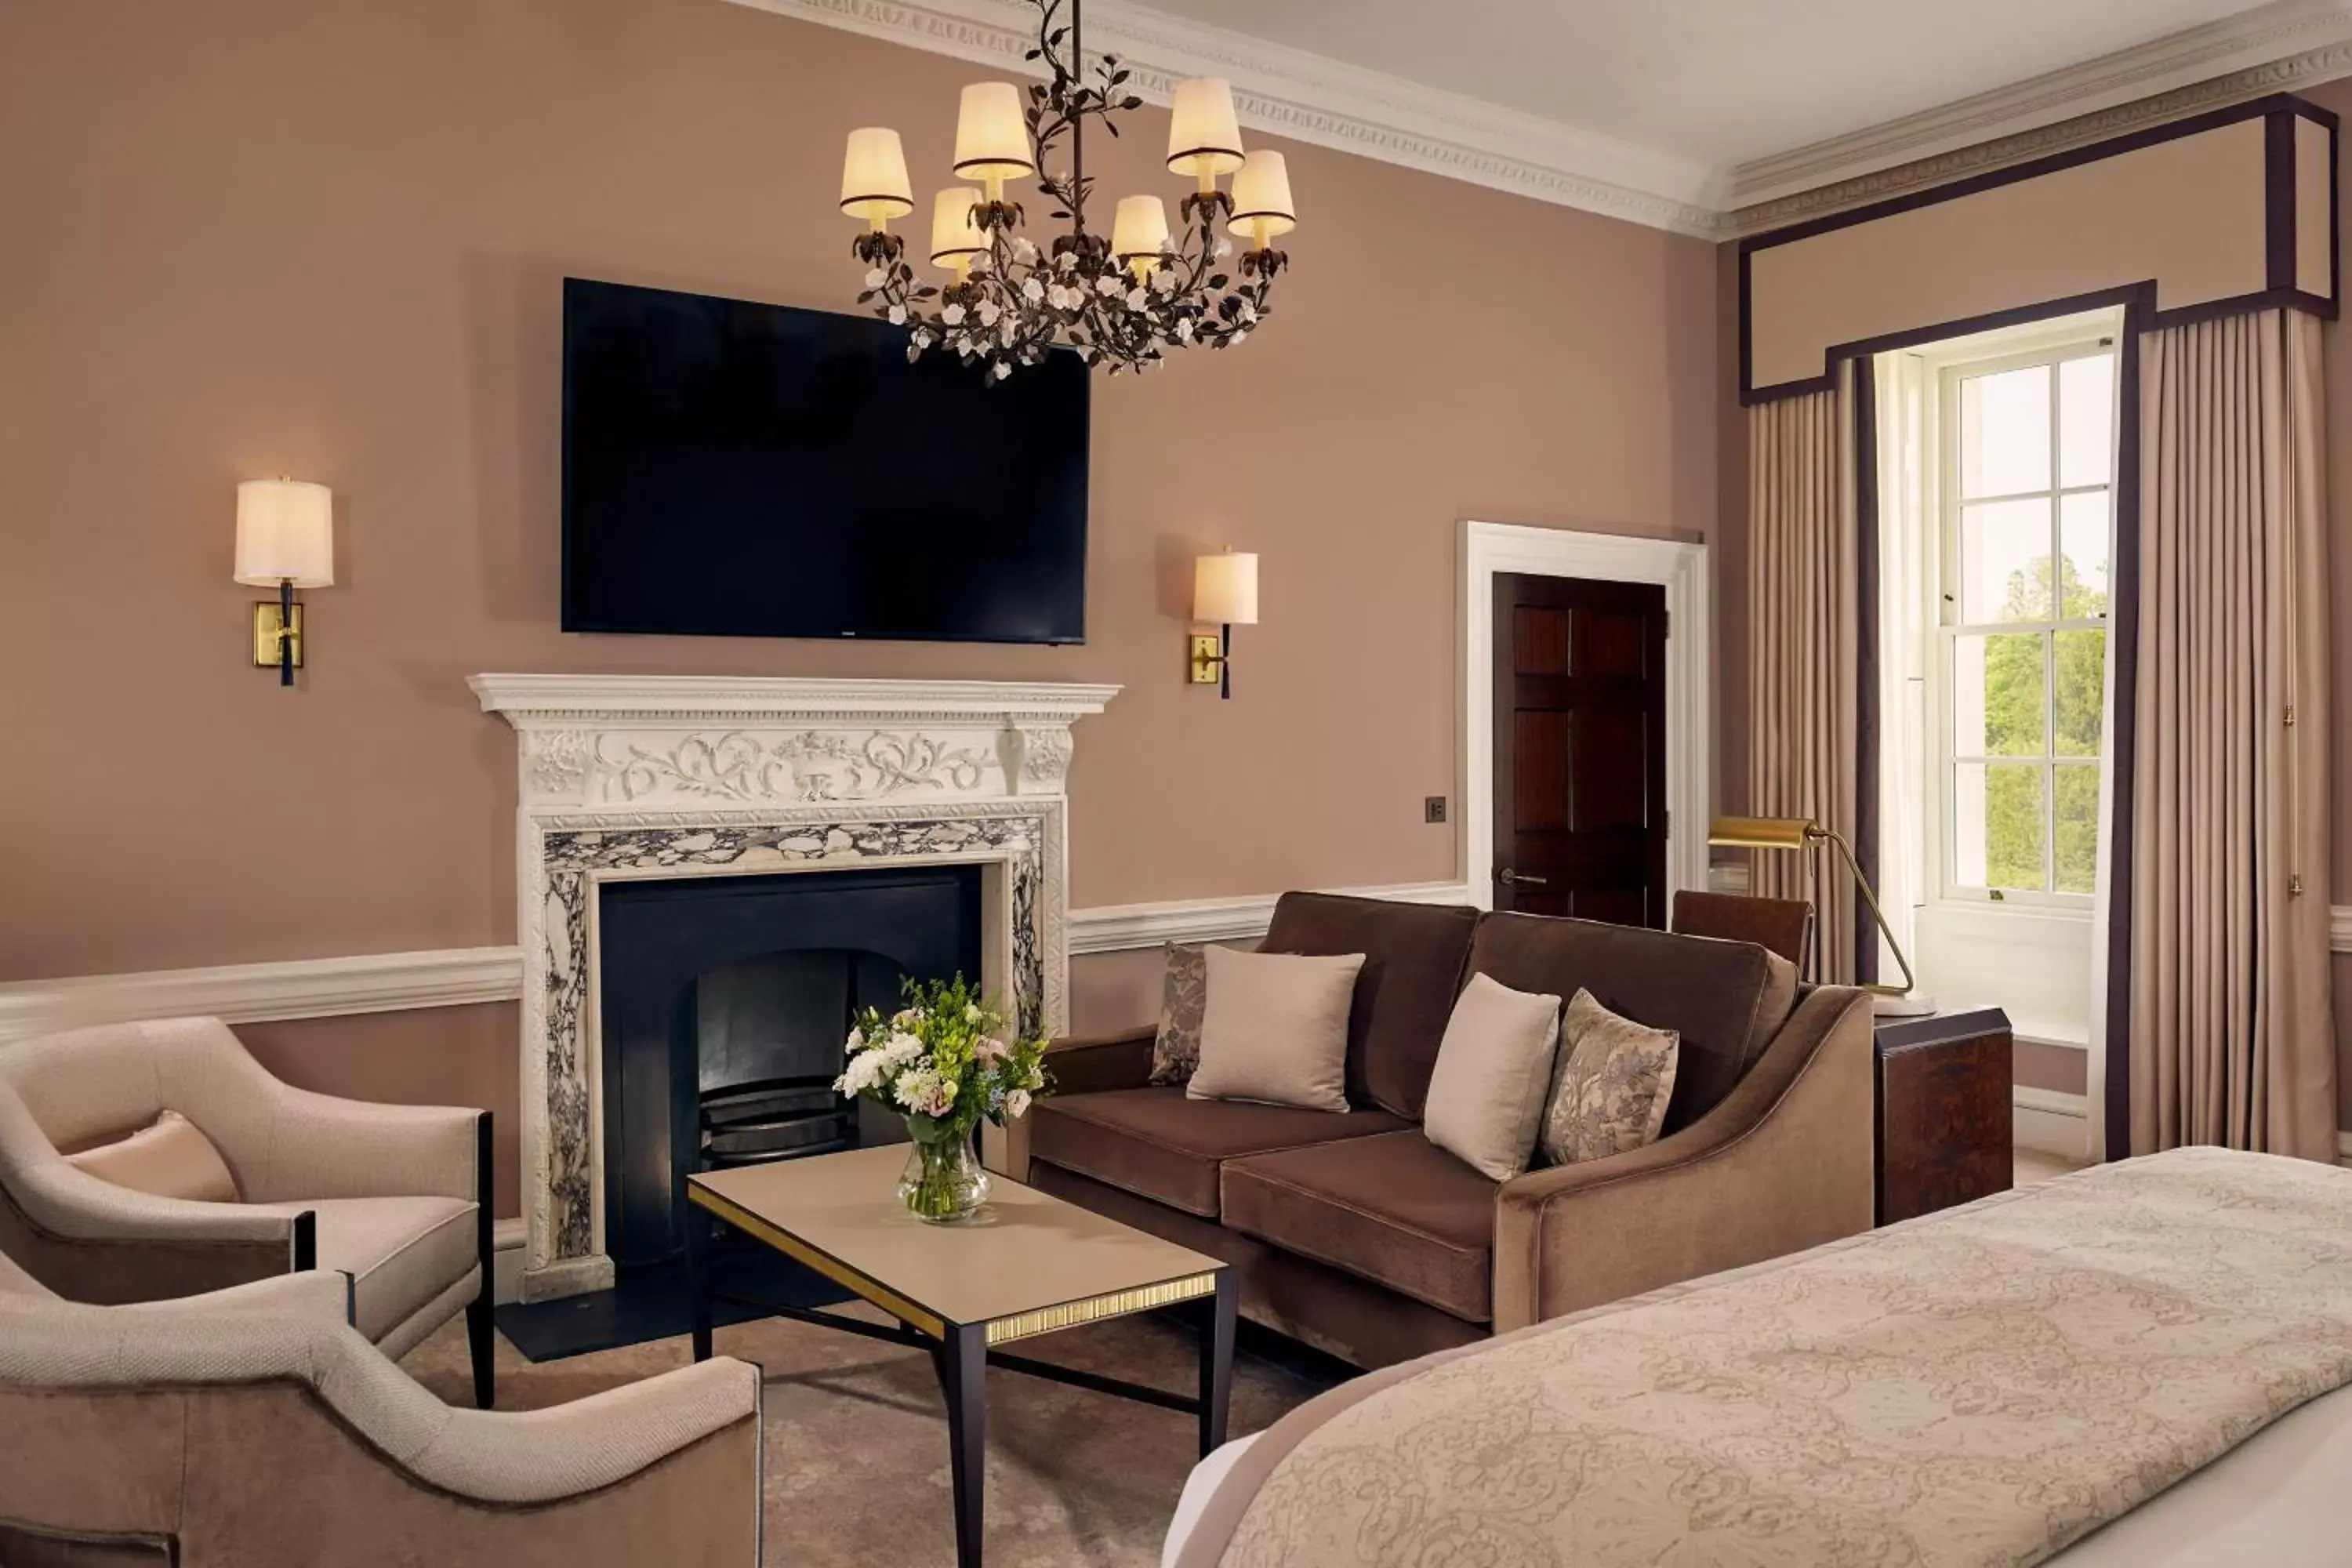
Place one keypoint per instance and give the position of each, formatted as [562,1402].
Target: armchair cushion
[169,1158]
[1156,1144]
[403,1253]
[1394,1209]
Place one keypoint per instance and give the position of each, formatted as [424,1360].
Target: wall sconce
[285,540]
[1224,590]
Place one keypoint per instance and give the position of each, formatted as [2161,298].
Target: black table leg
[698,1276]
[962,1359]
[1217,1314]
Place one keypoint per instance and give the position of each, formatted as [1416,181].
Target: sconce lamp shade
[1758,832]
[1262,194]
[284,532]
[955,236]
[1225,589]
[1140,227]
[991,136]
[1203,136]
[874,176]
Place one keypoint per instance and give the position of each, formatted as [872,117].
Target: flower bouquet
[945,1061]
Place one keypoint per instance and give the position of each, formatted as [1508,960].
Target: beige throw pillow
[1616,1077]
[1494,1068]
[1176,1049]
[1273,1028]
[170,1158]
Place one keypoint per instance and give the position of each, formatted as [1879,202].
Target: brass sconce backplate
[1207,660]
[265,624]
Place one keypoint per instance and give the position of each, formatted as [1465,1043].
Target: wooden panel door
[1581,749]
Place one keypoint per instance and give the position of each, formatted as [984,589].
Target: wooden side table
[1944,1119]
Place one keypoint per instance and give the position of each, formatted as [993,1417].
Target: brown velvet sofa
[1354,1233]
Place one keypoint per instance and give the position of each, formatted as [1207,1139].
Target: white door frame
[1681,568]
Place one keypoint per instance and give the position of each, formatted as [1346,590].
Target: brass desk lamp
[1797,833]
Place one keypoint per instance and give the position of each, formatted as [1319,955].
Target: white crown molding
[544,701]
[1315,98]
[265,993]
[2170,79]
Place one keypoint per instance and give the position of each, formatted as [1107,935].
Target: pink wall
[324,238]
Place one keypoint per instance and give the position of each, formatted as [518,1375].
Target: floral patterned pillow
[1611,1091]
[1183,998]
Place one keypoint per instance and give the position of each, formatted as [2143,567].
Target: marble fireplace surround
[638,776]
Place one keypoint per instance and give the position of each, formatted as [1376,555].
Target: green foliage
[944,1060]
[2016,709]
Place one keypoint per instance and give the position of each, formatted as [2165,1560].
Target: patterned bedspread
[1981,1386]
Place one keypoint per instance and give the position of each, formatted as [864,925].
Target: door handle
[1509,877]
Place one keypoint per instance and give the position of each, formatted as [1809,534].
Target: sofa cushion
[1414,956]
[1275,1029]
[401,1253]
[1726,999]
[1159,1144]
[1394,1209]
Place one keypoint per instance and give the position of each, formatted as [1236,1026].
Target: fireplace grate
[775,1118]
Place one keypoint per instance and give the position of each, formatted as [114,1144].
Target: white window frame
[1942,613]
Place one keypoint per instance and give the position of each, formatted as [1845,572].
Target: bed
[2148,1362]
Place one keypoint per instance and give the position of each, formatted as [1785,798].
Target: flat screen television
[736,469]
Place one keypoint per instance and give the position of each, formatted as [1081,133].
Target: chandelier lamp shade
[1126,300]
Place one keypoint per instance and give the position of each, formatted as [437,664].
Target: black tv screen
[734,469]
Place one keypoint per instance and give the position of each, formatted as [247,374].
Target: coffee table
[1029,1265]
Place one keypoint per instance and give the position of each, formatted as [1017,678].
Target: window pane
[2079,661]
[2086,420]
[2005,432]
[2077,800]
[1996,695]
[2005,562]
[2086,524]
[1996,824]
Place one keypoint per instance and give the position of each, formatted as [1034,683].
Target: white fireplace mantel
[634,776]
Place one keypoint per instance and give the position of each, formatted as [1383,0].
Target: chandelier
[1124,301]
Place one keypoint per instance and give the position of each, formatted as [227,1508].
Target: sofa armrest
[324,1295]
[603,1440]
[93,1241]
[1090,1064]
[1785,1162]
[320,1146]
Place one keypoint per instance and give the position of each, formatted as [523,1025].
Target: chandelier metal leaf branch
[1125,301]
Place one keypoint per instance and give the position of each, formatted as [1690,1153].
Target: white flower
[1107,285]
[1184,330]
[1136,299]
[1240,335]
[989,312]
[1224,249]
[1008,333]
[952,315]
[988,1052]
[1249,313]
[971,1012]
[1003,369]
[876,278]
[1164,281]
[980,262]
[1065,262]
[1022,250]
[922,338]
[1016,1104]
[898,315]
[856,1041]
[1031,290]
[1036,1077]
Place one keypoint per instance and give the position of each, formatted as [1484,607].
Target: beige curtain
[2232,1034]
[1803,641]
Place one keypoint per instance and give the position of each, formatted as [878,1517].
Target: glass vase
[944,1181]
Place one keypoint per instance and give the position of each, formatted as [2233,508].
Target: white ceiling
[1704,117]
[1726,81]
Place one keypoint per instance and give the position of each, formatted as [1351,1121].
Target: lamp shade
[1758,832]
[1203,136]
[874,176]
[955,236]
[1225,589]
[992,137]
[1140,228]
[1262,194]
[285,530]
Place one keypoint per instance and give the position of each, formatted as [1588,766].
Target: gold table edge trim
[1000,1330]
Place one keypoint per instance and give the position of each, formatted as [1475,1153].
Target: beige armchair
[396,1197]
[250,1427]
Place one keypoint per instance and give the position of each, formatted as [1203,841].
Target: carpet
[856,1442]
